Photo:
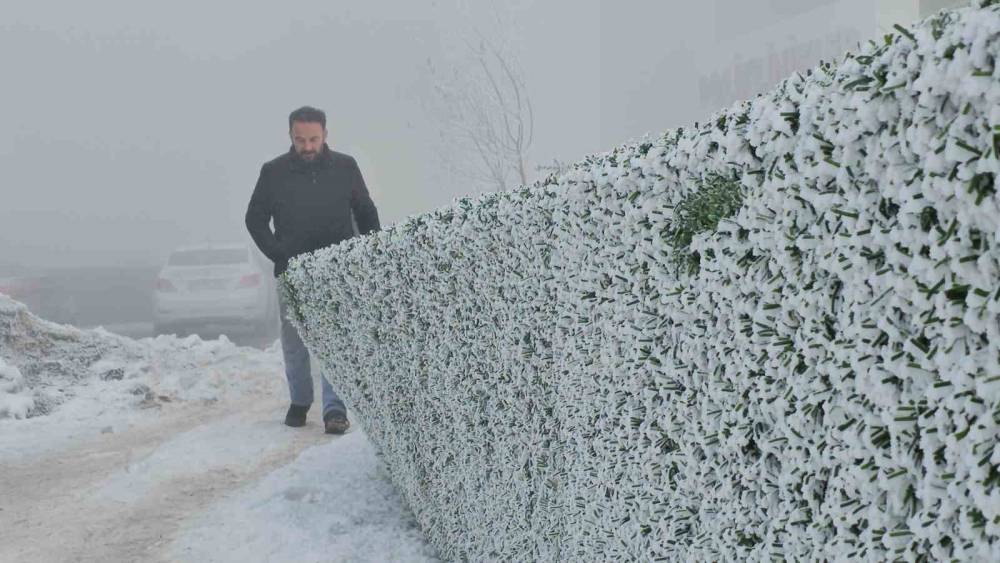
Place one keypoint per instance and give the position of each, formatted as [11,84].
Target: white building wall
[758,48]
[662,67]
[929,7]
[891,12]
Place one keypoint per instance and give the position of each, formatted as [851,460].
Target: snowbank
[15,401]
[773,335]
[45,367]
[194,429]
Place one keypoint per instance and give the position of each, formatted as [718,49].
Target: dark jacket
[311,204]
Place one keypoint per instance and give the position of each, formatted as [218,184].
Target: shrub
[545,383]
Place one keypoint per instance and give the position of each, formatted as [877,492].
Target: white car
[228,285]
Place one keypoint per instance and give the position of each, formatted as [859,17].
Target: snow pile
[44,366]
[774,335]
[15,402]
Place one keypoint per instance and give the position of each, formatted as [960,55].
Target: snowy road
[180,456]
[120,498]
[148,493]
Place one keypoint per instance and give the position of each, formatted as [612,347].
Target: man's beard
[308,155]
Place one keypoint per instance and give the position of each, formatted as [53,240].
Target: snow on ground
[15,400]
[170,449]
[200,450]
[70,384]
[333,491]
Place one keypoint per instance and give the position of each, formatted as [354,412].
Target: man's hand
[280,266]
[281,263]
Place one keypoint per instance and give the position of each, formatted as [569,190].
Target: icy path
[174,449]
[205,482]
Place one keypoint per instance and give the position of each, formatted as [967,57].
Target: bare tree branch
[485,116]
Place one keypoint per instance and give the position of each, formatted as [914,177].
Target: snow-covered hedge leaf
[823,382]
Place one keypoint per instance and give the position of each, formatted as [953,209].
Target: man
[310,192]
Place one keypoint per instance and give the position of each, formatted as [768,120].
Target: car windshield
[209,257]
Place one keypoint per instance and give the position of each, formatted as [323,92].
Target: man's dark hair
[307,114]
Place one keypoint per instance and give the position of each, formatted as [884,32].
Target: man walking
[311,193]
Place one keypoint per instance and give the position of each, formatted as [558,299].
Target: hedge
[773,335]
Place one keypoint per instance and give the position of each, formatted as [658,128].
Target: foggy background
[129,128]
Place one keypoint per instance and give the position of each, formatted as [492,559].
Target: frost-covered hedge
[773,335]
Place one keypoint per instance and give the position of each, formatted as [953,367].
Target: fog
[129,128]
[125,131]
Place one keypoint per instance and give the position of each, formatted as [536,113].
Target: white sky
[127,128]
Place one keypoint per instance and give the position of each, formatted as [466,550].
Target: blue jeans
[298,372]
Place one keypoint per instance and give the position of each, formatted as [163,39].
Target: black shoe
[296,416]
[336,423]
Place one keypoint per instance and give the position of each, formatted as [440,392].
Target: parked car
[206,286]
